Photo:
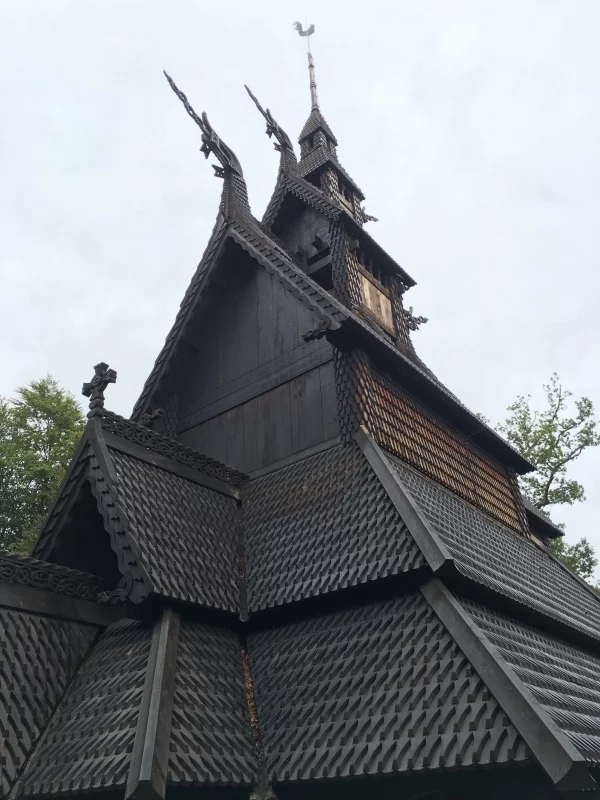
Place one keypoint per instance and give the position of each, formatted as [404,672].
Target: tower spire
[314,98]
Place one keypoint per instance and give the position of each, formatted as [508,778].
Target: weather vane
[311,67]
[308,32]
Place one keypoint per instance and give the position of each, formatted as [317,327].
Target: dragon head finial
[235,194]
[273,128]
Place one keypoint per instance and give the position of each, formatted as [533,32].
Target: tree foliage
[553,439]
[39,431]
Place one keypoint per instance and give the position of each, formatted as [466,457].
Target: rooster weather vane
[308,32]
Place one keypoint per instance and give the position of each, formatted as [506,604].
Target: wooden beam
[147,778]
[257,381]
[52,604]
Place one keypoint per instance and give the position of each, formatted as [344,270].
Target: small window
[377,303]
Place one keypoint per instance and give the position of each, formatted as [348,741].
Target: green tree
[553,439]
[39,431]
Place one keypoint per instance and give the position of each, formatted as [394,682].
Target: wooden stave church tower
[312,574]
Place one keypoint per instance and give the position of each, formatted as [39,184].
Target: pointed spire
[314,98]
[234,198]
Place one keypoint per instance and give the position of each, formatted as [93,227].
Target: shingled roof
[414,683]
[322,524]
[168,511]
[486,552]
[379,689]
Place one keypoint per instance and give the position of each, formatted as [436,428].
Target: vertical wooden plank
[292,337]
[329,401]
[312,422]
[266,434]
[247,315]
[274,425]
[235,437]
[210,362]
[209,438]
[282,421]
[297,395]
[265,317]
[250,415]
[229,325]
[306,410]
[279,318]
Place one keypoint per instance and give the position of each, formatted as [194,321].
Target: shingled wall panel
[322,524]
[211,739]
[186,533]
[39,657]
[504,561]
[89,741]
[415,434]
[564,678]
[374,690]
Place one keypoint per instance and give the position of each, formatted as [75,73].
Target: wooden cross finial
[96,387]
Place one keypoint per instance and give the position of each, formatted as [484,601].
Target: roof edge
[209,258]
[435,552]
[565,766]
[136,583]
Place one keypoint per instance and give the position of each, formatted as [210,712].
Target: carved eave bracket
[413,322]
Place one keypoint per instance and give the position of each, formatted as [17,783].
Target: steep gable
[250,389]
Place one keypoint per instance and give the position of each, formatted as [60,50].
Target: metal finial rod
[314,99]
[311,66]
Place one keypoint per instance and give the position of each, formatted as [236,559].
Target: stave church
[302,568]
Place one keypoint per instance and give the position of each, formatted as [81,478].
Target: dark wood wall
[254,392]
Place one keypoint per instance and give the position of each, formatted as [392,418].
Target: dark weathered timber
[256,382]
[274,425]
[557,755]
[51,604]
[150,757]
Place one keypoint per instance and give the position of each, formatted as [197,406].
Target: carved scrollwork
[26,571]
[413,322]
[171,449]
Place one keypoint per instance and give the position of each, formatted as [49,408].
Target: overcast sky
[472,126]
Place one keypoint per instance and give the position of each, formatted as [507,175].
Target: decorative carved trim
[26,571]
[171,448]
[135,583]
